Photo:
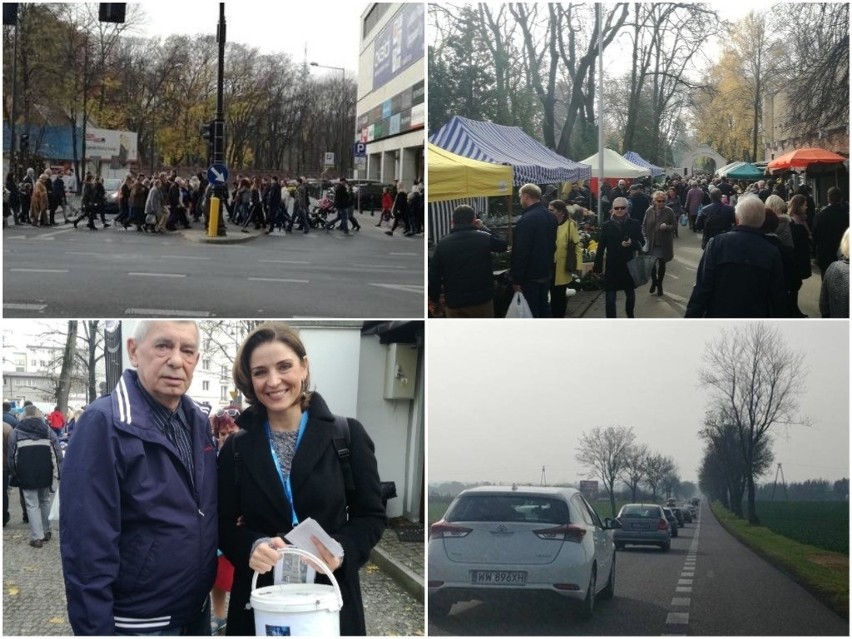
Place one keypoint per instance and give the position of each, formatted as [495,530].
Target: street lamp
[342,149]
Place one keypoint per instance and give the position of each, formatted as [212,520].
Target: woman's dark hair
[264,334]
[560,206]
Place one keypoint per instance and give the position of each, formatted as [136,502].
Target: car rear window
[640,511]
[509,508]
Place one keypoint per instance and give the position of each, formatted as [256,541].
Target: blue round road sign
[217,174]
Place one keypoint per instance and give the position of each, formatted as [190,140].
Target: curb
[409,580]
[235,236]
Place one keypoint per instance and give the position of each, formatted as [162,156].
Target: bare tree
[64,386]
[657,467]
[634,468]
[755,380]
[604,452]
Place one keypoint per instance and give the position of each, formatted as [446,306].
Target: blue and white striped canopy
[531,161]
[632,156]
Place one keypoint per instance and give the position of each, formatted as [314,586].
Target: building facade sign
[399,44]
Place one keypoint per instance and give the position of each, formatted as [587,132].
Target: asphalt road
[67,272]
[678,283]
[707,584]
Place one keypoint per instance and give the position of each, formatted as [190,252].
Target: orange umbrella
[803,158]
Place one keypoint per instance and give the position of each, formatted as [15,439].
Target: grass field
[822,524]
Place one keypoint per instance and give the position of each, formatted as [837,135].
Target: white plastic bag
[519,307]
[54,508]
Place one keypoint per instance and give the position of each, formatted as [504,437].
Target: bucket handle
[292,550]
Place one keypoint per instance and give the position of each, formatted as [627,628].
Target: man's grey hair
[750,211]
[32,411]
[144,327]
[716,195]
[531,190]
[620,201]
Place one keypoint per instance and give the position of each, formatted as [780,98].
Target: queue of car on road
[499,542]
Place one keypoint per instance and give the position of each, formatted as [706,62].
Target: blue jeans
[199,627]
[342,217]
[630,293]
[536,296]
[38,502]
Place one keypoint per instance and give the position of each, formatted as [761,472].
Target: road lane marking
[683,589]
[273,279]
[25,307]
[382,267]
[157,274]
[161,312]
[184,257]
[39,270]
[677,618]
[404,254]
[691,573]
[681,601]
[684,582]
[408,288]
[52,234]
[282,262]
[91,254]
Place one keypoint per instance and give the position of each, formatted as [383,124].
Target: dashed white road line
[408,288]
[39,270]
[274,279]
[24,307]
[678,620]
[176,275]
[283,262]
[160,312]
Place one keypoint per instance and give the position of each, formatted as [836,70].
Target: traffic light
[24,142]
[10,14]
[208,133]
[111,12]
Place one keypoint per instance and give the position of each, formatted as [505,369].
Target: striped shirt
[174,425]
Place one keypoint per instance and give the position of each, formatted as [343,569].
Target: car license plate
[639,526]
[499,577]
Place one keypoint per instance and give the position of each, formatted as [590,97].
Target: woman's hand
[328,559]
[265,556]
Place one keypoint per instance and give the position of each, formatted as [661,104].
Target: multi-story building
[391,109]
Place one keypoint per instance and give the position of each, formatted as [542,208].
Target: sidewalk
[34,601]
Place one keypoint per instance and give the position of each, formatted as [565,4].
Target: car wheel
[440,608]
[609,590]
[666,546]
[587,609]
[674,532]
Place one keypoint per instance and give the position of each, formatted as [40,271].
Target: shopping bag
[54,508]
[684,219]
[640,269]
[519,307]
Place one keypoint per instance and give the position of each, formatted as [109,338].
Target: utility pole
[543,477]
[779,469]
[221,189]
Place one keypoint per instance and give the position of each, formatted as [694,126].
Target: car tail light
[443,530]
[566,532]
[663,525]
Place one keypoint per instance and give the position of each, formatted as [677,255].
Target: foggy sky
[506,398]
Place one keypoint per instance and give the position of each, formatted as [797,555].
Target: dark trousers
[628,307]
[177,215]
[536,296]
[558,300]
[198,627]
[300,214]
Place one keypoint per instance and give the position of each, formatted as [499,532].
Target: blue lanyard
[285,481]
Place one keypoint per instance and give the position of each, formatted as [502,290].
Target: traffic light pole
[221,191]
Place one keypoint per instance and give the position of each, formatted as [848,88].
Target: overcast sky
[506,398]
[329,28]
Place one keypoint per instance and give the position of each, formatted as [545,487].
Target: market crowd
[760,241]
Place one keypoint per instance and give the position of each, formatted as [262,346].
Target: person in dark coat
[533,247]
[282,468]
[829,225]
[461,267]
[797,210]
[620,238]
[400,208]
[792,280]
[740,273]
[638,203]
[715,218]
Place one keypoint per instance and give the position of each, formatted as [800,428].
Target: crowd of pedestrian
[168,202]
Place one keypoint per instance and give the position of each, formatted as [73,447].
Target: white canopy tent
[615,166]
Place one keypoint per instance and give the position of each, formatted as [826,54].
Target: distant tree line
[278,117]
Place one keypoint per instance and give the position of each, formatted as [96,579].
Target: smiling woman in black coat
[271,370]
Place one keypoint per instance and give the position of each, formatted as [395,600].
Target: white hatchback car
[497,540]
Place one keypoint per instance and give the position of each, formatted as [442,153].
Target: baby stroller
[320,213]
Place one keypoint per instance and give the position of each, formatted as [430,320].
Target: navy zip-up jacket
[138,535]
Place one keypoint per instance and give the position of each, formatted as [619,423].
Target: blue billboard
[400,44]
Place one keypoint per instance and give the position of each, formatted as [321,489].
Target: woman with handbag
[619,240]
[567,259]
[658,226]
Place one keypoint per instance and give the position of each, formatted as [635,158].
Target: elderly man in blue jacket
[139,519]
[533,247]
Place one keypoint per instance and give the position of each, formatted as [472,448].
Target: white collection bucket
[297,609]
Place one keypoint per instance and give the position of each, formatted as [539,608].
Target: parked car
[112,187]
[497,541]
[687,514]
[642,525]
[369,192]
[670,517]
[681,519]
